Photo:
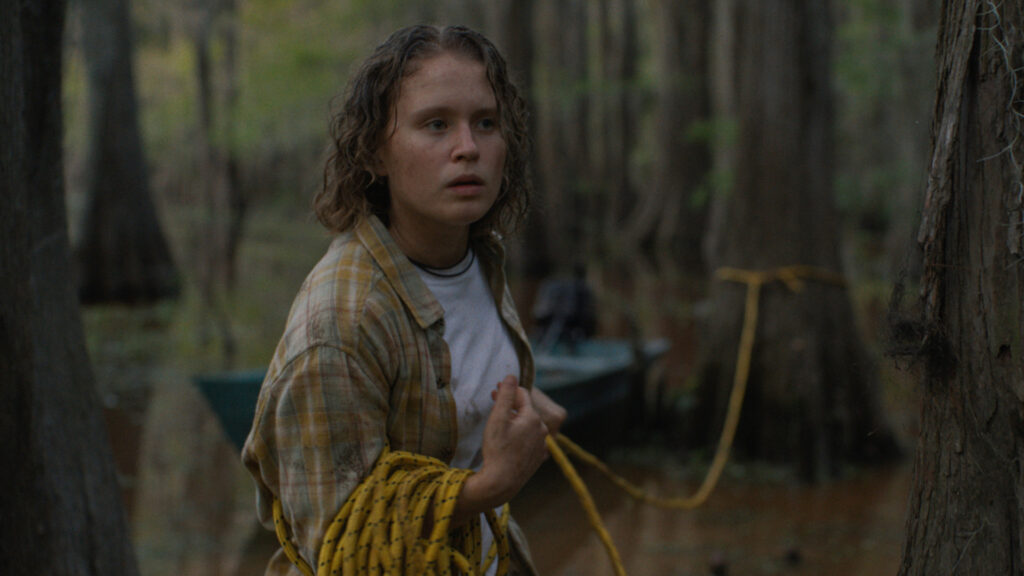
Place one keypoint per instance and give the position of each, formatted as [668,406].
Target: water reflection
[192,511]
[848,527]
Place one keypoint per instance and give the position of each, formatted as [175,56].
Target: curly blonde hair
[352,191]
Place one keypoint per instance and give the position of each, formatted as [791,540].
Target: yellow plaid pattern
[362,363]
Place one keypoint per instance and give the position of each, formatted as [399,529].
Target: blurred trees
[215,242]
[883,126]
[635,138]
[563,130]
[61,500]
[122,253]
[671,211]
[619,92]
[616,116]
[966,508]
[812,399]
[907,128]
[511,26]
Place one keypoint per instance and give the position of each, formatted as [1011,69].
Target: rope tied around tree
[379,529]
[794,278]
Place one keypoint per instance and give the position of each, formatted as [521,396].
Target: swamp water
[192,513]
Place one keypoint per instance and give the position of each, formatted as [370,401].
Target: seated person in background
[564,311]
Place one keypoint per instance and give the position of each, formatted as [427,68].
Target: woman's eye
[488,124]
[436,125]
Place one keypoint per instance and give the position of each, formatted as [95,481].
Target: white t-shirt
[482,354]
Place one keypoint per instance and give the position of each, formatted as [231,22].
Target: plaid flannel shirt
[362,362]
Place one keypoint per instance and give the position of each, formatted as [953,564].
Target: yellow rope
[793,277]
[380,528]
[376,532]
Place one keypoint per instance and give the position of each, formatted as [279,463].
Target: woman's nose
[465,146]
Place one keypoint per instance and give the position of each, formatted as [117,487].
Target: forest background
[633,128]
[608,194]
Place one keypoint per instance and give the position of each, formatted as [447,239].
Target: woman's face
[444,155]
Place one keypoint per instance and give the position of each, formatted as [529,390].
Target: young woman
[404,335]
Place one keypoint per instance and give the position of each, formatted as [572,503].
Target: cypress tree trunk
[122,254]
[618,111]
[967,504]
[61,503]
[511,24]
[812,398]
[16,370]
[671,215]
[220,231]
[562,132]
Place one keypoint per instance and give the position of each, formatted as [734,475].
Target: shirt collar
[402,274]
[399,271]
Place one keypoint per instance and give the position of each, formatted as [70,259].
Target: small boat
[593,380]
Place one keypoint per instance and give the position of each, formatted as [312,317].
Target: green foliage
[717,131]
[868,43]
[166,88]
[295,59]
[73,88]
[883,67]
[292,58]
[720,132]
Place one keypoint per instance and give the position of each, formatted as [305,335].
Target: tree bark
[61,502]
[221,229]
[17,544]
[672,211]
[558,139]
[511,24]
[572,156]
[619,114]
[122,254]
[813,399]
[966,511]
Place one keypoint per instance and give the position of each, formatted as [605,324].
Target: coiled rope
[375,533]
[380,528]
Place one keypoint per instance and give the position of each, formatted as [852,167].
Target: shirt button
[441,383]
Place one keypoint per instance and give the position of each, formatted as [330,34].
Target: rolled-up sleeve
[320,425]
